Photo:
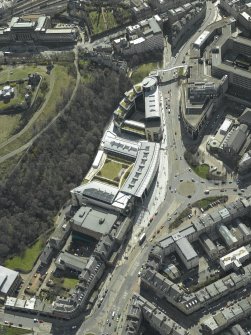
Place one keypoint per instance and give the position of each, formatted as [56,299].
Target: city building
[234,142]
[187,253]
[141,38]
[207,229]
[38,30]
[139,113]
[67,261]
[214,324]
[184,19]
[234,259]
[144,171]
[100,194]
[199,100]
[9,281]
[141,309]
[153,123]
[93,221]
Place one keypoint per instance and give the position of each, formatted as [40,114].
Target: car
[20,325]
[35,320]
[242,190]
[73,327]
[139,273]
[107,321]
[6,322]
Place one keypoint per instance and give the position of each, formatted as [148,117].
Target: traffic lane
[126,275]
[26,322]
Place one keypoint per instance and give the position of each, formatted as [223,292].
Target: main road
[167,199]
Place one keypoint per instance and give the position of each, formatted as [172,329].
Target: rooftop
[95,219]
[143,170]
[7,278]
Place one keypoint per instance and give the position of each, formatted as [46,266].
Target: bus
[142,238]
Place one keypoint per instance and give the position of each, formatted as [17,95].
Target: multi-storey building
[36,29]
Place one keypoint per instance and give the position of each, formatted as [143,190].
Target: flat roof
[98,191]
[7,278]
[152,107]
[76,261]
[237,254]
[60,30]
[202,38]
[117,145]
[95,219]
[144,168]
[186,248]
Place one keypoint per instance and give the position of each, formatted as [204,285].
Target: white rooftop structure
[144,169]
[234,258]
[97,159]
[7,278]
[118,145]
[201,39]
[225,126]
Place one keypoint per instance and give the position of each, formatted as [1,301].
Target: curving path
[32,140]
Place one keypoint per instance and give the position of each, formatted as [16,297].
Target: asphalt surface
[167,200]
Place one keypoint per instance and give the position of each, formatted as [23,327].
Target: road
[168,198]
[162,203]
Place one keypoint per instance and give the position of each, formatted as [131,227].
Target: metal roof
[94,219]
[186,248]
[7,278]
[144,169]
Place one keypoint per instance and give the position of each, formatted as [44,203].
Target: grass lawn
[143,70]
[17,99]
[19,72]
[110,169]
[204,203]
[6,330]
[201,170]
[62,81]
[70,282]
[102,22]
[8,123]
[125,175]
[26,261]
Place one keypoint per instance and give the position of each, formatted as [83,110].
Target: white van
[113,314]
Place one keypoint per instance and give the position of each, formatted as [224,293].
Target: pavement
[167,199]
